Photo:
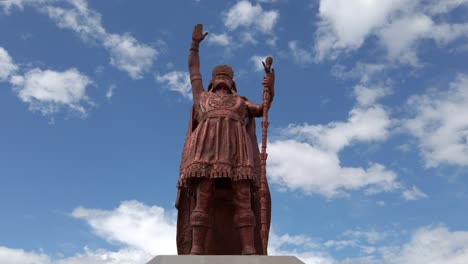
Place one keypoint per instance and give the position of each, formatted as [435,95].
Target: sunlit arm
[194,63]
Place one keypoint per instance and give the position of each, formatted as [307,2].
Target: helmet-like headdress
[225,70]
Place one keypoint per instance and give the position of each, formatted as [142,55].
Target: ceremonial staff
[267,96]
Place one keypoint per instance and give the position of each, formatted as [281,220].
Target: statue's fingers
[265,67]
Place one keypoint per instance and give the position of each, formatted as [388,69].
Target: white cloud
[439,123]
[177,81]
[299,246]
[371,236]
[10,4]
[7,66]
[101,256]
[398,25]
[365,123]
[344,25]
[136,225]
[366,96]
[441,7]
[307,159]
[219,39]
[380,203]
[244,14]
[299,54]
[340,244]
[19,256]
[414,194]
[50,91]
[301,166]
[366,73]
[110,91]
[257,62]
[142,231]
[248,38]
[433,245]
[400,36]
[126,53]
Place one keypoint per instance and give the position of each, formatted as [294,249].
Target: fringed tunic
[220,146]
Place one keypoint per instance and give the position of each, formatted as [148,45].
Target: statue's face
[222,84]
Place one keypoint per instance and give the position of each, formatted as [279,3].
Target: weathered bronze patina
[223,199]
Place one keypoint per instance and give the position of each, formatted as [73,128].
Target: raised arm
[194,63]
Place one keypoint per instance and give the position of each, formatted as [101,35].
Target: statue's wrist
[195,46]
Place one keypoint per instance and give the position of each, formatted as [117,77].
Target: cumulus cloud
[344,25]
[438,122]
[245,14]
[219,39]
[19,256]
[49,92]
[433,245]
[398,25]
[100,256]
[407,30]
[110,91]
[366,73]
[141,232]
[300,246]
[126,53]
[7,66]
[307,158]
[19,4]
[138,226]
[300,55]
[366,96]
[413,194]
[177,81]
[371,236]
[257,62]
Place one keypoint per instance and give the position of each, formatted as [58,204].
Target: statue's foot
[196,250]
[249,251]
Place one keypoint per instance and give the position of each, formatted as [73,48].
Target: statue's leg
[244,218]
[199,219]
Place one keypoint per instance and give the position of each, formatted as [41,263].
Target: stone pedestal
[188,259]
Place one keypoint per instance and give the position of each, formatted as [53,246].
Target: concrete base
[189,259]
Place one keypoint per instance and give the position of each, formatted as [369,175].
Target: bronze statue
[223,199]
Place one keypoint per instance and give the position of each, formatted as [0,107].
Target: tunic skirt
[220,146]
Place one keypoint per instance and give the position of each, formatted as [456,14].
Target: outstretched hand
[197,34]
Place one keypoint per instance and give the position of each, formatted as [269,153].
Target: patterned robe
[220,144]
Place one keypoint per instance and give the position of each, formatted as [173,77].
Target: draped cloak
[221,144]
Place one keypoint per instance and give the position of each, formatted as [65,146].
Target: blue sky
[368,142]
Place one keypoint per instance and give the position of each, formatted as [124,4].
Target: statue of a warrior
[223,204]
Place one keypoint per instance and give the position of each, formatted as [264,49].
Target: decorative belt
[226,113]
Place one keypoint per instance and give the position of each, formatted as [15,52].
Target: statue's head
[222,78]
